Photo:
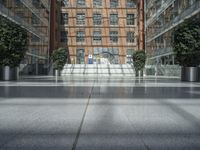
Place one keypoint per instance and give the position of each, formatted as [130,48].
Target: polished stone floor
[99,113]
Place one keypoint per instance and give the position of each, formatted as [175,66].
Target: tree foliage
[186,45]
[13,43]
[139,58]
[59,58]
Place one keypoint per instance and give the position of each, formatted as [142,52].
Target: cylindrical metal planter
[56,72]
[9,73]
[190,74]
[199,73]
[1,73]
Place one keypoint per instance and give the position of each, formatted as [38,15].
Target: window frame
[113,36]
[80,36]
[115,20]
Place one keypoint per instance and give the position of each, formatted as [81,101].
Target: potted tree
[186,47]
[59,58]
[13,46]
[139,58]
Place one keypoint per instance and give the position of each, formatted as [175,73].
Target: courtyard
[99,113]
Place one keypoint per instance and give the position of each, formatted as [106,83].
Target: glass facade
[106,55]
[162,18]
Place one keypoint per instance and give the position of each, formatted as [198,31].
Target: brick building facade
[106,30]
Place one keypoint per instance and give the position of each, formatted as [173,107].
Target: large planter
[199,73]
[56,72]
[139,73]
[190,74]
[8,73]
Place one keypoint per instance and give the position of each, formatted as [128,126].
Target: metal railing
[35,55]
[13,17]
[46,4]
[156,15]
[33,9]
[149,2]
[162,51]
[192,10]
[163,70]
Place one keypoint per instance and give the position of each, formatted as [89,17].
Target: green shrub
[186,45]
[59,58]
[139,58]
[13,43]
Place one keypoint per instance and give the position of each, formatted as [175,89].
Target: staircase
[98,69]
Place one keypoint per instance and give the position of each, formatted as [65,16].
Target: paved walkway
[80,113]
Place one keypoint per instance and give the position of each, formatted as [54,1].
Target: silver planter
[199,73]
[190,74]
[139,73]
[8,73]
[56,72]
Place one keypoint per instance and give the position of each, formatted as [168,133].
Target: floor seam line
[82,121]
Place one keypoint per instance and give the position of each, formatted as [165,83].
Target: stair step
[99,69]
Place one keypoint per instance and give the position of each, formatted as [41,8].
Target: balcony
[36,11]
[156,15]
[46,4]
[16,19]
[162,52]
[189,12]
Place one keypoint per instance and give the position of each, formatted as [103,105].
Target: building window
[35,53]
[130,37]
[64,3]
[64,18]
[80,56]
[113,19]
[97,36]
[130,19]
[80,3]
[80,36]
[80,19]
[35,19]
[114,36]
[113,3]
[34,38]
[129,55]
[97,3]
[63,36]
[97,19]
[130,3]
